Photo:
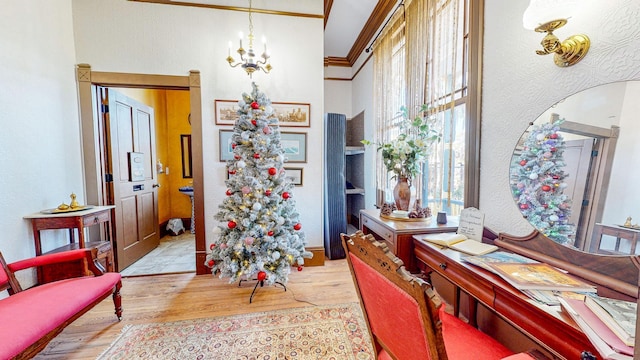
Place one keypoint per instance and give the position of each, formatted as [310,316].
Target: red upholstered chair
[404,314]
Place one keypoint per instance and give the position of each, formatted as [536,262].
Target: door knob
[156,185]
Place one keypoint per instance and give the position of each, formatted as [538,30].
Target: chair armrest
[54,258]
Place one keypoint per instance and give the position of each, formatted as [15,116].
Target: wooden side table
[618,232]
[75,221]
[399,234]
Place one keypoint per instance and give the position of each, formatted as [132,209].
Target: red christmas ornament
[231,224]
[546,188]
[212,246]
[232,172]
[556,177]
[273,171]
[285,195]
[229,192]
[262,275]
[270,233]
[524,206]
[233,145]
[256,156]
[523,162]
[211,263]
[236,156]
[299,268]
[553,149]
[297,226]
[267,192]
[545,206]
[553,136]
[255,105]
[254,122]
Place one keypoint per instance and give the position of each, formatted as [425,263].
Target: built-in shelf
[354,150]
[354,169]
[356,191]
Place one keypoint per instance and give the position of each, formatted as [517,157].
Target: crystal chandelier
[247,57]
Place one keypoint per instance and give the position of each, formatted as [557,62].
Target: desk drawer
[382,232]
[97,218]
[456,273]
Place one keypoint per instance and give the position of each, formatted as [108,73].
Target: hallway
[175,254]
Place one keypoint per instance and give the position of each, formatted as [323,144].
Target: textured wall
[519,85]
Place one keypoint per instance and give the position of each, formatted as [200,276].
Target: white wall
[623,191]
[338,91]
[40,152]
[134,37]
[519,85]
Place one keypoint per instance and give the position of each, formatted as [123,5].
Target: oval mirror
[574,173]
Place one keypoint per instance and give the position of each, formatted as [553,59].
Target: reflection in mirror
[571,187]
[185,144]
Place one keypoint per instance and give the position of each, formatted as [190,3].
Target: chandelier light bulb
[248,62]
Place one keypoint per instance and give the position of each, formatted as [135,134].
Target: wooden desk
[546,325]
[399,234]
[618,232]
[75,221]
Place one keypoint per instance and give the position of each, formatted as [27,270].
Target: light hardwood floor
[164,298]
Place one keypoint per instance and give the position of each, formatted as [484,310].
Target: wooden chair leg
[117,300]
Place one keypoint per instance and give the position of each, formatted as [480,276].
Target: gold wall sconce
[546,16]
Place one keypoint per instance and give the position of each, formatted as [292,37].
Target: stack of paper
[603,339]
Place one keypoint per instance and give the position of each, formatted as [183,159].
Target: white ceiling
[346,20]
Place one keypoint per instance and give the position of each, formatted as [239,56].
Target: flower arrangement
[405,154]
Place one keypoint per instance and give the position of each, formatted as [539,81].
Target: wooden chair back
[401,310]
[8,280]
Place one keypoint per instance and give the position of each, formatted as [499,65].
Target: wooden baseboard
[318,257]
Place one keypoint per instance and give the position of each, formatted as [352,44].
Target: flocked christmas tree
[537,182]
[260,232]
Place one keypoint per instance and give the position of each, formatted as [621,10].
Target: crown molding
[327,10]
[231,8]
[336,61]
[380,12]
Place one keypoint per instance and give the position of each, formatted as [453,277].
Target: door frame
[93,129]
[598,179]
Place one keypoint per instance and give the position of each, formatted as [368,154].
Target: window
[423,57]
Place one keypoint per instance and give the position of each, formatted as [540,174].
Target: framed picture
[294,175]
[226,112]
[292,114]
[295,146]
[226,151]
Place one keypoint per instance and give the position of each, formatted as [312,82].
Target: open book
[468,239]
[458,242]
[539,276]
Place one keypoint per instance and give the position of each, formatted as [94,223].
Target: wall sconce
[545,16]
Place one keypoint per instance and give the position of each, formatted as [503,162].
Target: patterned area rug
[319,332]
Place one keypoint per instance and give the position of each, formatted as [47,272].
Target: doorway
[94,143]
